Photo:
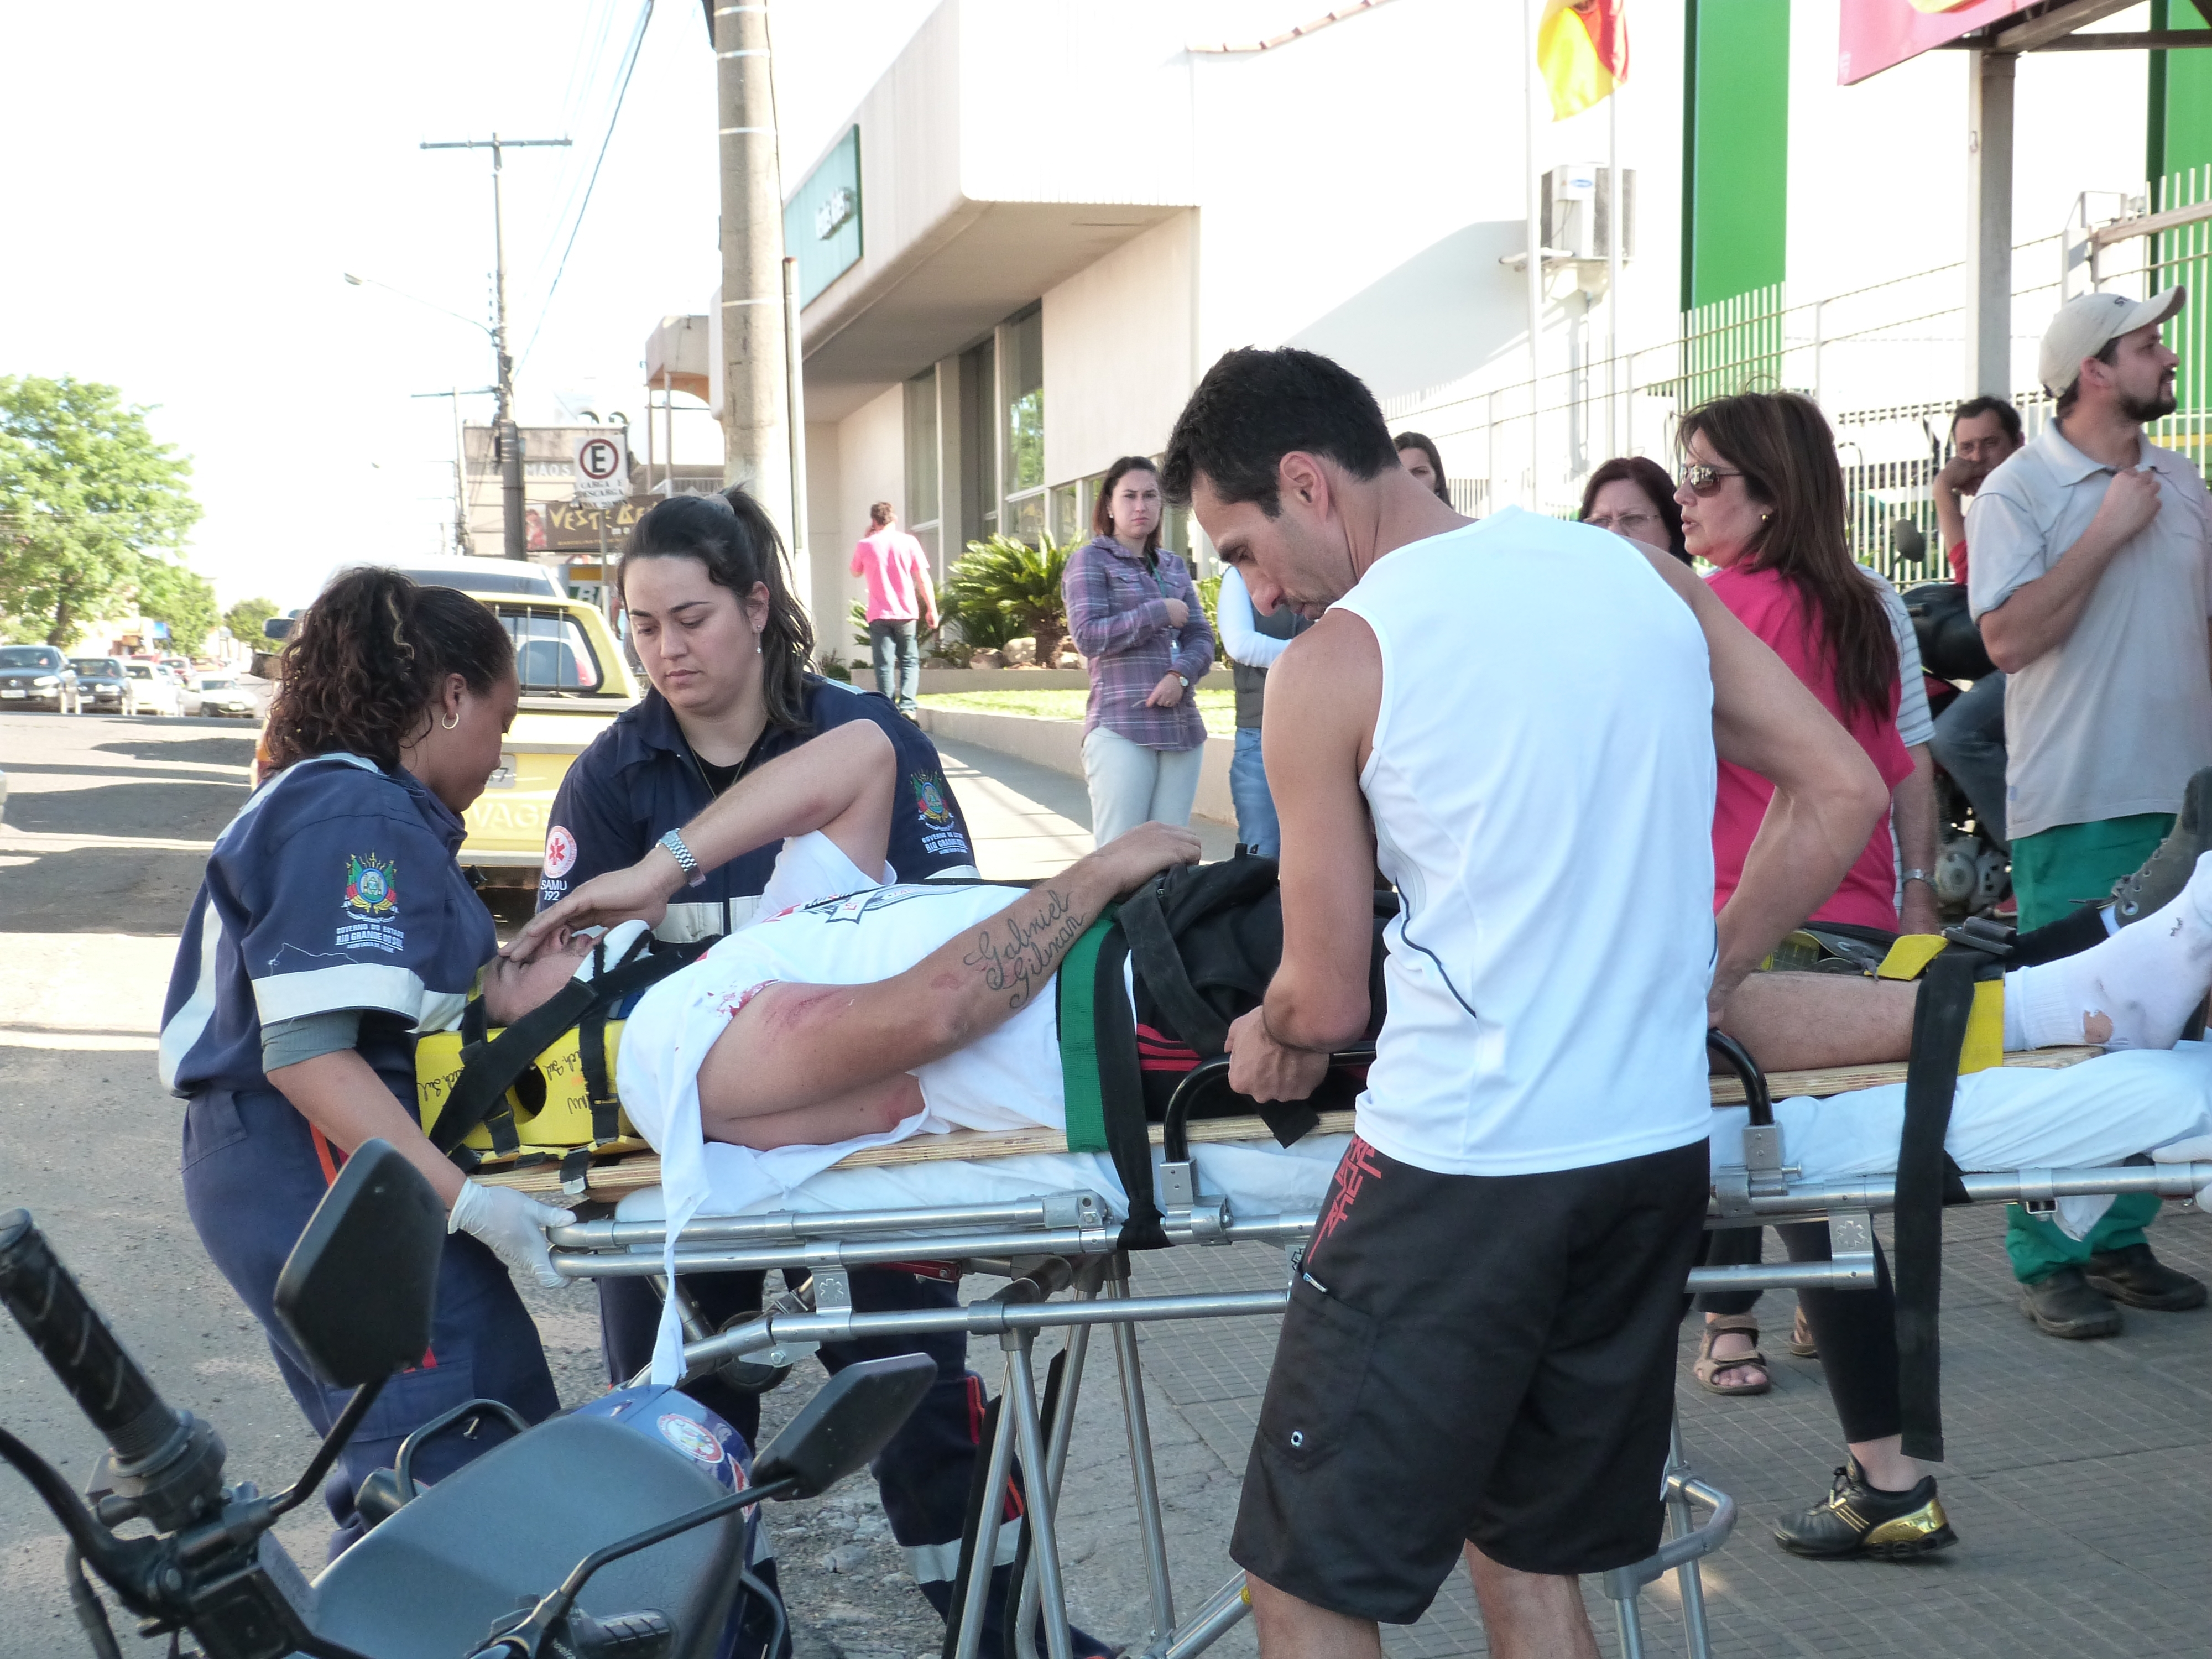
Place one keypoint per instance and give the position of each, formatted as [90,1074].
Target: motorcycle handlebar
[64,1327]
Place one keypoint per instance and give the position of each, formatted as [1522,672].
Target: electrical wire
[628,67]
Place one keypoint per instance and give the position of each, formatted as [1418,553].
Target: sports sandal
[1801,1341]
[1709,1367]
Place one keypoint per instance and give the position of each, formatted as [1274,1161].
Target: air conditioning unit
[1577,212]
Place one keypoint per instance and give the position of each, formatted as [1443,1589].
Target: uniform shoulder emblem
[372,891]
[929,801]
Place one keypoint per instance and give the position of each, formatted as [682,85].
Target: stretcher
[1018,1206]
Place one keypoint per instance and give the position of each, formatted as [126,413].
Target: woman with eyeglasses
[1633,496]
[1762,498]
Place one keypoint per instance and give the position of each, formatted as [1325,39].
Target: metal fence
[1886,361]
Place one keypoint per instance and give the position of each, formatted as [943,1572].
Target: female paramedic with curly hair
[332,924]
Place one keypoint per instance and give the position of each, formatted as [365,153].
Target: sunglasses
[1705,480]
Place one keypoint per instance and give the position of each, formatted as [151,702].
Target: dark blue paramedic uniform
[335,888]
[637,781]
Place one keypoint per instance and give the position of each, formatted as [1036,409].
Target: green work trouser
[2053,871]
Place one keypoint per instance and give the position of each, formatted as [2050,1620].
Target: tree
[182,598]
[86,494]
[245,618]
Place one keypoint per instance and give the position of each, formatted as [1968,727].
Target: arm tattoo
[1032,939]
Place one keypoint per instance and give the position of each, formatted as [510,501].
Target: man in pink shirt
[897,574]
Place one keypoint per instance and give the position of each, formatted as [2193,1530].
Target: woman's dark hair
[1648,475]
[1427,444]
[1102,510]
[1782,444]
[738,543]
[364,665]
[1255,407]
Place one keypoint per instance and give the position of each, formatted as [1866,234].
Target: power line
[629,65]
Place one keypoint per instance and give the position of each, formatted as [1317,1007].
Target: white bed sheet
[2098,1113]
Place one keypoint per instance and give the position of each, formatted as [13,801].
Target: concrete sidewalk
[1028,820]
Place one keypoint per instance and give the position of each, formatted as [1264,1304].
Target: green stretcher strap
[1081,1093]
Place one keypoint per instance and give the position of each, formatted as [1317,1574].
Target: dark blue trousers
[254,1173]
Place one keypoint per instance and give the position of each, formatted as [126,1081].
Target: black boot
[2167,870]
[2064,1305]
[2135,1276]
[1856,1519]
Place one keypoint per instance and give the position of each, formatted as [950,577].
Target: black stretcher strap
[1926,1178]
[1121,1092]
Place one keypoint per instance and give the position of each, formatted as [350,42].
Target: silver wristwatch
[682,854]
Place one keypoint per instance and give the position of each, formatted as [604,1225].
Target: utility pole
[757,445]
[509,437]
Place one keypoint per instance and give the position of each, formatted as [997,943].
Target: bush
[1003,589]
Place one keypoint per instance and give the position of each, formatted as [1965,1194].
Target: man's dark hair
[2007,416]
[1255,407]
[2072,395]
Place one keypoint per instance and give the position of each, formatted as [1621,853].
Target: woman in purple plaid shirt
[1137,623]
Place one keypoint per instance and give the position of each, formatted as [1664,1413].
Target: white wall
[871,450]
[1119,352]
[827,544]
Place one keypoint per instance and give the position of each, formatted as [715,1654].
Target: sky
[202,178]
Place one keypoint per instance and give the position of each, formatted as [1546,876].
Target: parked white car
[148,690]
[219,694]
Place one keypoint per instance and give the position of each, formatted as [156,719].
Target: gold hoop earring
[450,724]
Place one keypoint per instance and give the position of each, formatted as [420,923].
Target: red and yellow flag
[1581,47]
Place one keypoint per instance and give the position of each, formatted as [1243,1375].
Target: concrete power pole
[508,435]
[757,447]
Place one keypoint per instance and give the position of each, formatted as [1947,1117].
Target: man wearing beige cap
[2092,579]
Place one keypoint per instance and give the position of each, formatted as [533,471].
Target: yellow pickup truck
[575,681]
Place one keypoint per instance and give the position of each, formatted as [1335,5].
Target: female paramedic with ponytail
[333,925]
[727,651]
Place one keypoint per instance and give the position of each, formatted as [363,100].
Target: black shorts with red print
[1484,1359]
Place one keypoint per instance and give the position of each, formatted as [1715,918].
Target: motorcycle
[1973,873]
[651,1489]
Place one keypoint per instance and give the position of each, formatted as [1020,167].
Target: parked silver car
[219,694]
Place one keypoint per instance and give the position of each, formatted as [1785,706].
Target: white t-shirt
[2111,722]
[1541,786]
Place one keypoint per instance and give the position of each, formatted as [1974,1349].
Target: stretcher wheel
[749,1375]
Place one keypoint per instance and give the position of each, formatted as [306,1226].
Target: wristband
[1920,876]
[682,854]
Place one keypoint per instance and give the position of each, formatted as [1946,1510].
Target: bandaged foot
[2136,990]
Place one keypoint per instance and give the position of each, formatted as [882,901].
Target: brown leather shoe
[2135,1276]
[2065,1305]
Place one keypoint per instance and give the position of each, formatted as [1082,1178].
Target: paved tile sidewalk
[2080,1478]
[1028,820]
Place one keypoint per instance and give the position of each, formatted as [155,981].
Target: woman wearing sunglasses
[1762,498]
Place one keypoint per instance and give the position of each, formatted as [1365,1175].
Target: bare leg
[1885,1464]
[1530,1615]
[1292,1629]
[1796,1021]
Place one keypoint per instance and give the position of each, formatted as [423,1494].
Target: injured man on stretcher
[858,1012]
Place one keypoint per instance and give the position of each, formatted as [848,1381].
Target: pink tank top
[1769,606]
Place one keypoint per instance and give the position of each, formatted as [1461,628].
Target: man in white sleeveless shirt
[1517,720]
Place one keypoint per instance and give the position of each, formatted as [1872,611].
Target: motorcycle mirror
[1907,541]
[357,1291]
[278,628]
[846,1425]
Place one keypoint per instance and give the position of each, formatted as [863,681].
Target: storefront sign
[1878,34]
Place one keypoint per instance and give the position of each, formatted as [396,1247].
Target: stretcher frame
[1068,1241]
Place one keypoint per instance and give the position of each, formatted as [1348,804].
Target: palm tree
[1003,588]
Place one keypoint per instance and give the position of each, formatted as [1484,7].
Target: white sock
[2147,979]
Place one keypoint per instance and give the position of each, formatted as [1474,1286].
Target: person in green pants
[2092,582]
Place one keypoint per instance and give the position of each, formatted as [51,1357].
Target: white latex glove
[512,1224]
[2196,1150]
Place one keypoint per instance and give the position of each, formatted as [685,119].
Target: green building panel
[2180,96]
[1736,149]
